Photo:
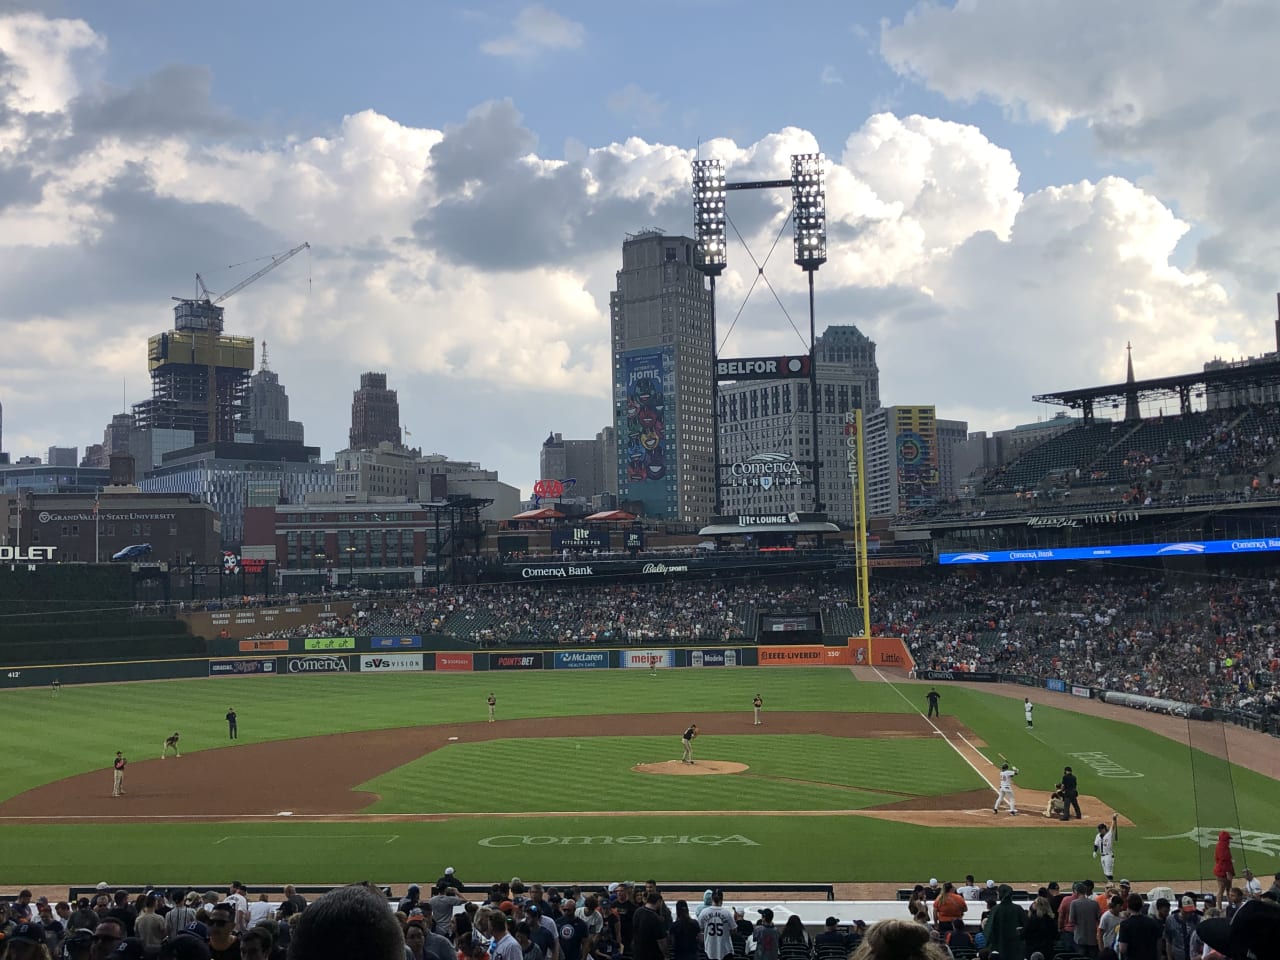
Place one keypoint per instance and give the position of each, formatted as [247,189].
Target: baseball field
[390,776]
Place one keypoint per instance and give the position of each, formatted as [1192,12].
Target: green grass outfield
[78,732]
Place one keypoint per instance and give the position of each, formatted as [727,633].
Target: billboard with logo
[395,643]
[241,668]
[336,664]
[713,658]
[515,661]
[391,663]
[454,662]
[645,659]
[880,652]
[580,538]
[646,449]
[580,659]
[810,655]
[264,646]
[329,643]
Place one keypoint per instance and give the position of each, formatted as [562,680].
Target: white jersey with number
[1006,779]
[1105,843]
[717,925]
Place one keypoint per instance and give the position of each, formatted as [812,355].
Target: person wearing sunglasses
[223,944]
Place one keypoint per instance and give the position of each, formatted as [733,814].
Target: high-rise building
[661,328]
[900,447]
[63,457]
[951,435]
[375,413]
[768,422]
[269,407]
[383,471]
[199,382]
[591,464]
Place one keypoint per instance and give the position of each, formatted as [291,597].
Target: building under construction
[199,377]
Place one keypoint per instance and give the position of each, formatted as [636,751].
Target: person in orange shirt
[948,908]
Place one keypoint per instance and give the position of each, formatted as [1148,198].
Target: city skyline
[1029,215]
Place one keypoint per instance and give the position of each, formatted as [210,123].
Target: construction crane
[203,315]
[207,301]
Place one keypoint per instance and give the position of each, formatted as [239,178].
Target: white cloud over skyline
[474,266]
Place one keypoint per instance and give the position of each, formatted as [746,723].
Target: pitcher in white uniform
[1007,773]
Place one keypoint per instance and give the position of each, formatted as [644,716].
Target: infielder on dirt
[170,743]
[686,743]
[1007,773]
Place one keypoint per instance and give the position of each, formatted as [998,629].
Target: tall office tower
[661,317]
[582,461]
[375,413]
[269,406]
[900,447]
[765,428]
[199,381]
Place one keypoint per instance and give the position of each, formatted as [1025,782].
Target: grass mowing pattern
[82,729]
[786,773]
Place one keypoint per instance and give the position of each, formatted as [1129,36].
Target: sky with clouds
[1015,191]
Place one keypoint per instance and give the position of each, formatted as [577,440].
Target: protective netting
[1214,792]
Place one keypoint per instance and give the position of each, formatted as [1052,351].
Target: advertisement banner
[515,661]
[1081,692]
[803,655]
[391,663]
[713,658]
[633,540]
[580,659]
[644,442]
[1192,548]
[395,643]
[316,664]
[1059,686]
[580,538]
[974,676]
[329,643]
[762,368]
[264,646]
[646,659]
[454,662]
[880,652]
[240,668]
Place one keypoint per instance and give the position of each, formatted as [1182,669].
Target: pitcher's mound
[699,768]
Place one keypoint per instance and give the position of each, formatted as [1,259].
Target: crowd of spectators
[626,921]
[1200,639]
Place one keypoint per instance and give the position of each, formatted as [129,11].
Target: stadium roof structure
[1183,387]
[736,529]
[542,513]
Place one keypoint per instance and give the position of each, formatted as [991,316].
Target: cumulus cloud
[1148,84]
[536,30]
[476,268]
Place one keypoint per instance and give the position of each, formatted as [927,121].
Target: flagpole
[97,530]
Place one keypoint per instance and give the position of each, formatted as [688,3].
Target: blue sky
[1016,189]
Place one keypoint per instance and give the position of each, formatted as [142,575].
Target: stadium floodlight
[809,202]
[709,252]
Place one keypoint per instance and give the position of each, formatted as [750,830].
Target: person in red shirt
[1223,868]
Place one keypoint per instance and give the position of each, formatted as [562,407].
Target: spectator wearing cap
[832,943]
[542,931]
[349,922]
[77,944]
[108,933]
[450,879]
[223,944]
[130,948]
[989,895]
[150,926]
[932,891]
[648,932]
[26,941]
[189,943]
[1180,928]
